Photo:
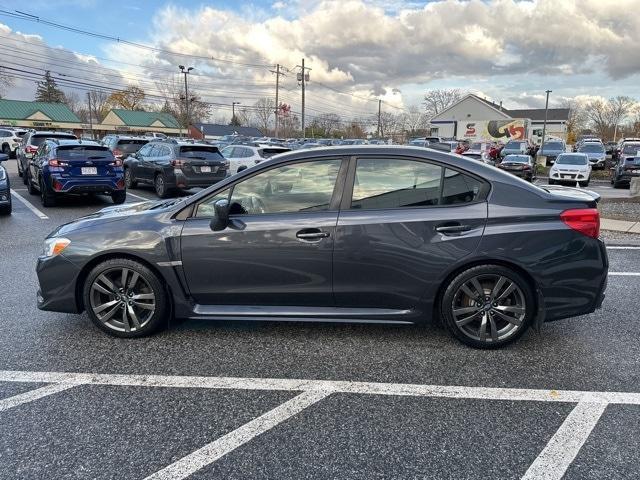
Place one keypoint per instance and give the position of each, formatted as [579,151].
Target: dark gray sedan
[376,234]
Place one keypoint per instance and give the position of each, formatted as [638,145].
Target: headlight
[3,173]
[55,246]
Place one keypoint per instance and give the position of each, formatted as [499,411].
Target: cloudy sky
[359,50]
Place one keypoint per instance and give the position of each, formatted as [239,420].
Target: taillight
[526,167]
[30,149]
[177,163]
[54,162]
[583,220]
[116,163]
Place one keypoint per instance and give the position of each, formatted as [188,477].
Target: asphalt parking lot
[287,401]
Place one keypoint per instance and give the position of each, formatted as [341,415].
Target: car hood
[594,154]
[114,213]
[551,151]
[570,168]
[573,193]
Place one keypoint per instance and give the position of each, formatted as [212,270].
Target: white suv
[571,168]
[242,157]
[10,138]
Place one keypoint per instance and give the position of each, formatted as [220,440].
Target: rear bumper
[86,185]
[183,181]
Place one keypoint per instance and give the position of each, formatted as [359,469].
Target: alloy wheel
[122,300]
[489,308]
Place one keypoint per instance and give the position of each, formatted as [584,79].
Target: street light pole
[186,71]
[233,111]
[544,125]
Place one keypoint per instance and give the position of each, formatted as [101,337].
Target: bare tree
[289,125]
[264,110]
[176,103]
[576,120]
[6,81]
[597,113]
[619,109]
[435,101]
[415,120]
[130,98]
[77,106]
[606,116]
[99,104]
[328,123]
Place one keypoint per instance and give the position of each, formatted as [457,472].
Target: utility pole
[186,71]
[544,125]
[303,77]
[90,120]
[379,117]
[233,111]
[277,72]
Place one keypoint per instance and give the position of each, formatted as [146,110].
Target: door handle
[311,234]
[445,229]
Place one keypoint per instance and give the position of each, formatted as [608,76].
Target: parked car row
[10,139]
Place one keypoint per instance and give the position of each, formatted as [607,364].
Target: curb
[622,226]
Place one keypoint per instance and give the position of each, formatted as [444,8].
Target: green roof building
[19,113]
[120,120]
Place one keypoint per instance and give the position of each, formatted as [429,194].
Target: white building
[472,108]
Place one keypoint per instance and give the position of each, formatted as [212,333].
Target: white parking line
[557,456]
[31,395]
[137,196]
[622,248]
[227,443]
[625,274]
[27,204]
[334,386]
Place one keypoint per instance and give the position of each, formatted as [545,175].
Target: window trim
[338,188]
[347,197]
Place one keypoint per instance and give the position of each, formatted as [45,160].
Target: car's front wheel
[488,306]
[125,298]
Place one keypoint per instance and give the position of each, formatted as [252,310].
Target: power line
[34,18]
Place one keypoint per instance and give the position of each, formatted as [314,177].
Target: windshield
[83,152]
[515,146]
[553,146]
[592,148]
[572,160]
[201,153]
[475,146]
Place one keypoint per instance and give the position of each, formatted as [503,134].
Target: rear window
[592,148]
[37,140]
[270,152]
[553,146]
[631,148]
[513,145]
[516,159]
[81,152]
[131,146]
[201,153]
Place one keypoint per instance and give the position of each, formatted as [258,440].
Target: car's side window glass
[144,151]
[393,183]
[460,188]
[206,208]
[297,187]
[247,152]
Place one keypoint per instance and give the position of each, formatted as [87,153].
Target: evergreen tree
[48,91]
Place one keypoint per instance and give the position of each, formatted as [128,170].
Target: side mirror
[221,219]
[3,157]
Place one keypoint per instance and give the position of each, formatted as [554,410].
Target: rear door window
[392,183]
[458,187]
[200,153]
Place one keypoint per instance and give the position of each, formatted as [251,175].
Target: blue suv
[75,166]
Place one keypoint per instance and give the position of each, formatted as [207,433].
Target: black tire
[512,331]
[24,174]
[6,209]
[160,185]
[29,181]
[19,168]
[47,197]
[129,180]
[157,319]
[6,149]
[552,182]
[616,183]
[584,184]
[119,196]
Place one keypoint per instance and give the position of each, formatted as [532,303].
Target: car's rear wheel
[47,197]
[125,299]
[119,196]
[129,179]
[160,184]
[19,167]
[488,306]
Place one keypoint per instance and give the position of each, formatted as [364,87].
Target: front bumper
[57,277]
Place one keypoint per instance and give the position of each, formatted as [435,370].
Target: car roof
[48,134]
[67,142]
